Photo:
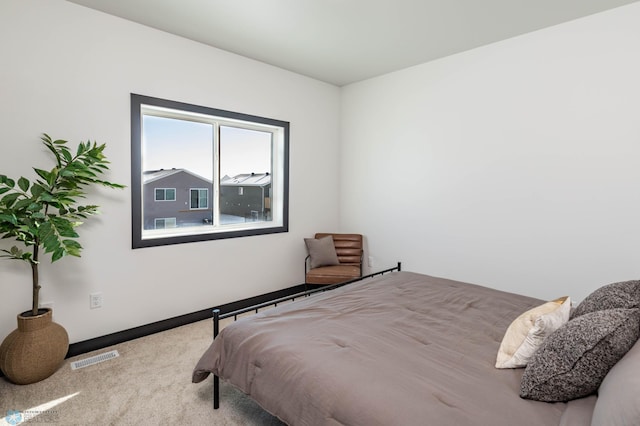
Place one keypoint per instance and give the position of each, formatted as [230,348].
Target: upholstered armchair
[333,258]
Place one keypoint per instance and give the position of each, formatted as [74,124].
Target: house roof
[149,176]
[247,179]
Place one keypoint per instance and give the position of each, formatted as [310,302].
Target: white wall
[514,165]
[68,71]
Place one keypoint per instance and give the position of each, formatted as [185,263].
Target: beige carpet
[148,384]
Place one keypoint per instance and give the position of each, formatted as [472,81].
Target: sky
[171,143]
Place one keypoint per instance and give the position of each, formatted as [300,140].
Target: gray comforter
[401,349]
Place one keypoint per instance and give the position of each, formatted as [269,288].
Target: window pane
[178,156]
[244,151]
[170,143]
[194,199]
[245,170]
[203,198]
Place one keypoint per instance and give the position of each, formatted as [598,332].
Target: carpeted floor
[148,384]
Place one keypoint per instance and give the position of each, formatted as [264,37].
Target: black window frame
[137,102]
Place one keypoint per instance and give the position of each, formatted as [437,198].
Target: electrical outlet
[370,261]
[95,300]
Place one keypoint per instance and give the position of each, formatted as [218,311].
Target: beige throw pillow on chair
[527,332]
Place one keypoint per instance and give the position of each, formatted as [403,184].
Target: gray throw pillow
[322,251]
[623,295]
[573,360]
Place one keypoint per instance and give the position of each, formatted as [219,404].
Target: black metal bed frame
[217,316]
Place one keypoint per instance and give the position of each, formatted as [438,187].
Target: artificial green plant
[43,214]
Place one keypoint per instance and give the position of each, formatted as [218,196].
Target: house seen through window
[201,173]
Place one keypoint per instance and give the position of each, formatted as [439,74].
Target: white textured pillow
[527,332]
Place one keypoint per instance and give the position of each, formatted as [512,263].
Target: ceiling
[344,41]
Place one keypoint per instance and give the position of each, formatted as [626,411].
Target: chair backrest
[348,247]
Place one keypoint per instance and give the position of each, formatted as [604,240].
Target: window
[165,194]
[224,173]
[199,198]
[165,222]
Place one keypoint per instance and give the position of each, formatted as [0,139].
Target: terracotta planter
[35,350]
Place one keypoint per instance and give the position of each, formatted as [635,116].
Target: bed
[403,348]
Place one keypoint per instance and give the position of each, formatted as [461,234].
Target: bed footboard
[217,316]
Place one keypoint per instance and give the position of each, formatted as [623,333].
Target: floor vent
[96,359]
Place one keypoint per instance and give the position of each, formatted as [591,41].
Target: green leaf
[10,218]
[66,153]
[58,254]
[7,181]
[72,243]
[50,243]
[46,197]
[81,149]
[45,230]
[53,175]
[42,173]
[9,199]
[24,184]
[63,227]
[22,204]
[46,139]
[72,247]
[37,190]
[34,207]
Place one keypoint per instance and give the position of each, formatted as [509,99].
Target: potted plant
[42,216]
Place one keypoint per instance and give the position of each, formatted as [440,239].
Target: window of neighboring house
[204,160]
[199,198]
[165,222]
[165,194]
